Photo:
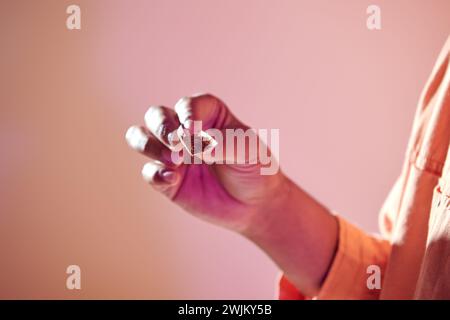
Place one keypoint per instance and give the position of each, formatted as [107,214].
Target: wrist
[299,234]
[270,214]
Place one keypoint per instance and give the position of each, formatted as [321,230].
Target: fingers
[161,121]
[141,140]
[161,173]
[206,108]
[161,177]
[160,141]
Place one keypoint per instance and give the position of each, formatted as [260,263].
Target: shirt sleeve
[359,259]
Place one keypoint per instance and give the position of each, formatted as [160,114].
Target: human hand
[295,230]
[230,195]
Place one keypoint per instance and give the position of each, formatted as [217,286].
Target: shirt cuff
[348,275]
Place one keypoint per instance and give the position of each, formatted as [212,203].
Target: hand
[231,195]
[296,231]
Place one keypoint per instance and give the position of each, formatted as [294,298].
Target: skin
[295,230]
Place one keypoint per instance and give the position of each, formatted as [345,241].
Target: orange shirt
[413,253]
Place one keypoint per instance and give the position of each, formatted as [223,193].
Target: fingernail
[136,138]
[148,171]
[169,176]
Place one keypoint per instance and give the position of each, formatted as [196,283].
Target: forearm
[299,234]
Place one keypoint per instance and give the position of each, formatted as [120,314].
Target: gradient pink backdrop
[342,96]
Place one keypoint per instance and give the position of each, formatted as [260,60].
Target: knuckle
[203,98]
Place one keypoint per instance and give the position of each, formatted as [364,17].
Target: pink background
[342,96]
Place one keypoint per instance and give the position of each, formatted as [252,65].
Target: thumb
[210,110]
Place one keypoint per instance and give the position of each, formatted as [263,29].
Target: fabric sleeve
[348,276]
